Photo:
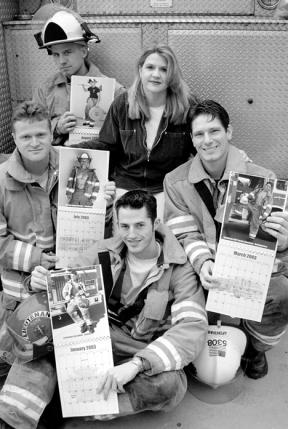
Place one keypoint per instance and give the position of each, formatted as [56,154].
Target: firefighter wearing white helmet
[65,27]
[83,184]
[66,37]
[84,157]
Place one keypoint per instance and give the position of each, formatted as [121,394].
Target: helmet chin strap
[88,35]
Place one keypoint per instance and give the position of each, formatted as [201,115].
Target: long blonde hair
[178,99]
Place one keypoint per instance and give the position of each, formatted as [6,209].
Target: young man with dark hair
[28,210]
[156,310]
[197,230]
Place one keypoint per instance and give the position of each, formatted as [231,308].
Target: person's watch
[140,363]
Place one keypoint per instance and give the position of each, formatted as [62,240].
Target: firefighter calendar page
[81,202]
[90,101]
[82,343]
[245,257]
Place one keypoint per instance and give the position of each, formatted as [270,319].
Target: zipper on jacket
[148,151]
[154,145]
[52,180]
[161,134]
[148,154]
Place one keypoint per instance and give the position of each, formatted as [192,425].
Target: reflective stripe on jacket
[27,222]
[185,212]
[172,325]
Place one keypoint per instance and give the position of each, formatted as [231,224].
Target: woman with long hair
[147,129]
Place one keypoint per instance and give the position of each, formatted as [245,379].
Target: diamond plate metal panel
[246,71]
[5,104]
[118,51]
[28,66]
[238,61]
[219,7]
[154,33]
[231,24]
[7,10]
[31,6]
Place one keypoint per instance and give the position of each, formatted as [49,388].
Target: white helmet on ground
[220,359]
[30,327]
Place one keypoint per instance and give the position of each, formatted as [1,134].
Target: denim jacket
[135,166]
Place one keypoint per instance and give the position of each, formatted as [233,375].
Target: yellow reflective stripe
[167,344]
[16,255]
[183,304]
[25,394]
[162,356]
[28,238]
[22,408]
[179,219]
[188,314]
[14,288]
[27,258]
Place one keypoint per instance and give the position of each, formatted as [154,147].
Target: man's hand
[48,260]
[116,378]
[206,276]
[277,225]
[66,123]
[39,277]
[109,191]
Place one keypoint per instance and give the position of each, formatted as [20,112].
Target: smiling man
[156,309]
[28,211]
[28,199]
[198,188]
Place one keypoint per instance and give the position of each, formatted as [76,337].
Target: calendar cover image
[250,200]
[246,251]
[81,202]
[90,100]
[82,342]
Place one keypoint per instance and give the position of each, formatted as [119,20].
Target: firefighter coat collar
[17,176]
[172,251]
[235,162]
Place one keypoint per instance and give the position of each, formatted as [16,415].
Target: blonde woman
[147,128]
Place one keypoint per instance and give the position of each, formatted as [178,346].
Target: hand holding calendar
[247,246]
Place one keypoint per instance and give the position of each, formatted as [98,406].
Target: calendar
[246,253]
[81,338]
[90,101]
[81,202]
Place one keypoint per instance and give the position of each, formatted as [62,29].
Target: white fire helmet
[30,327]
[220,359]
[65,26]
[84,157]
